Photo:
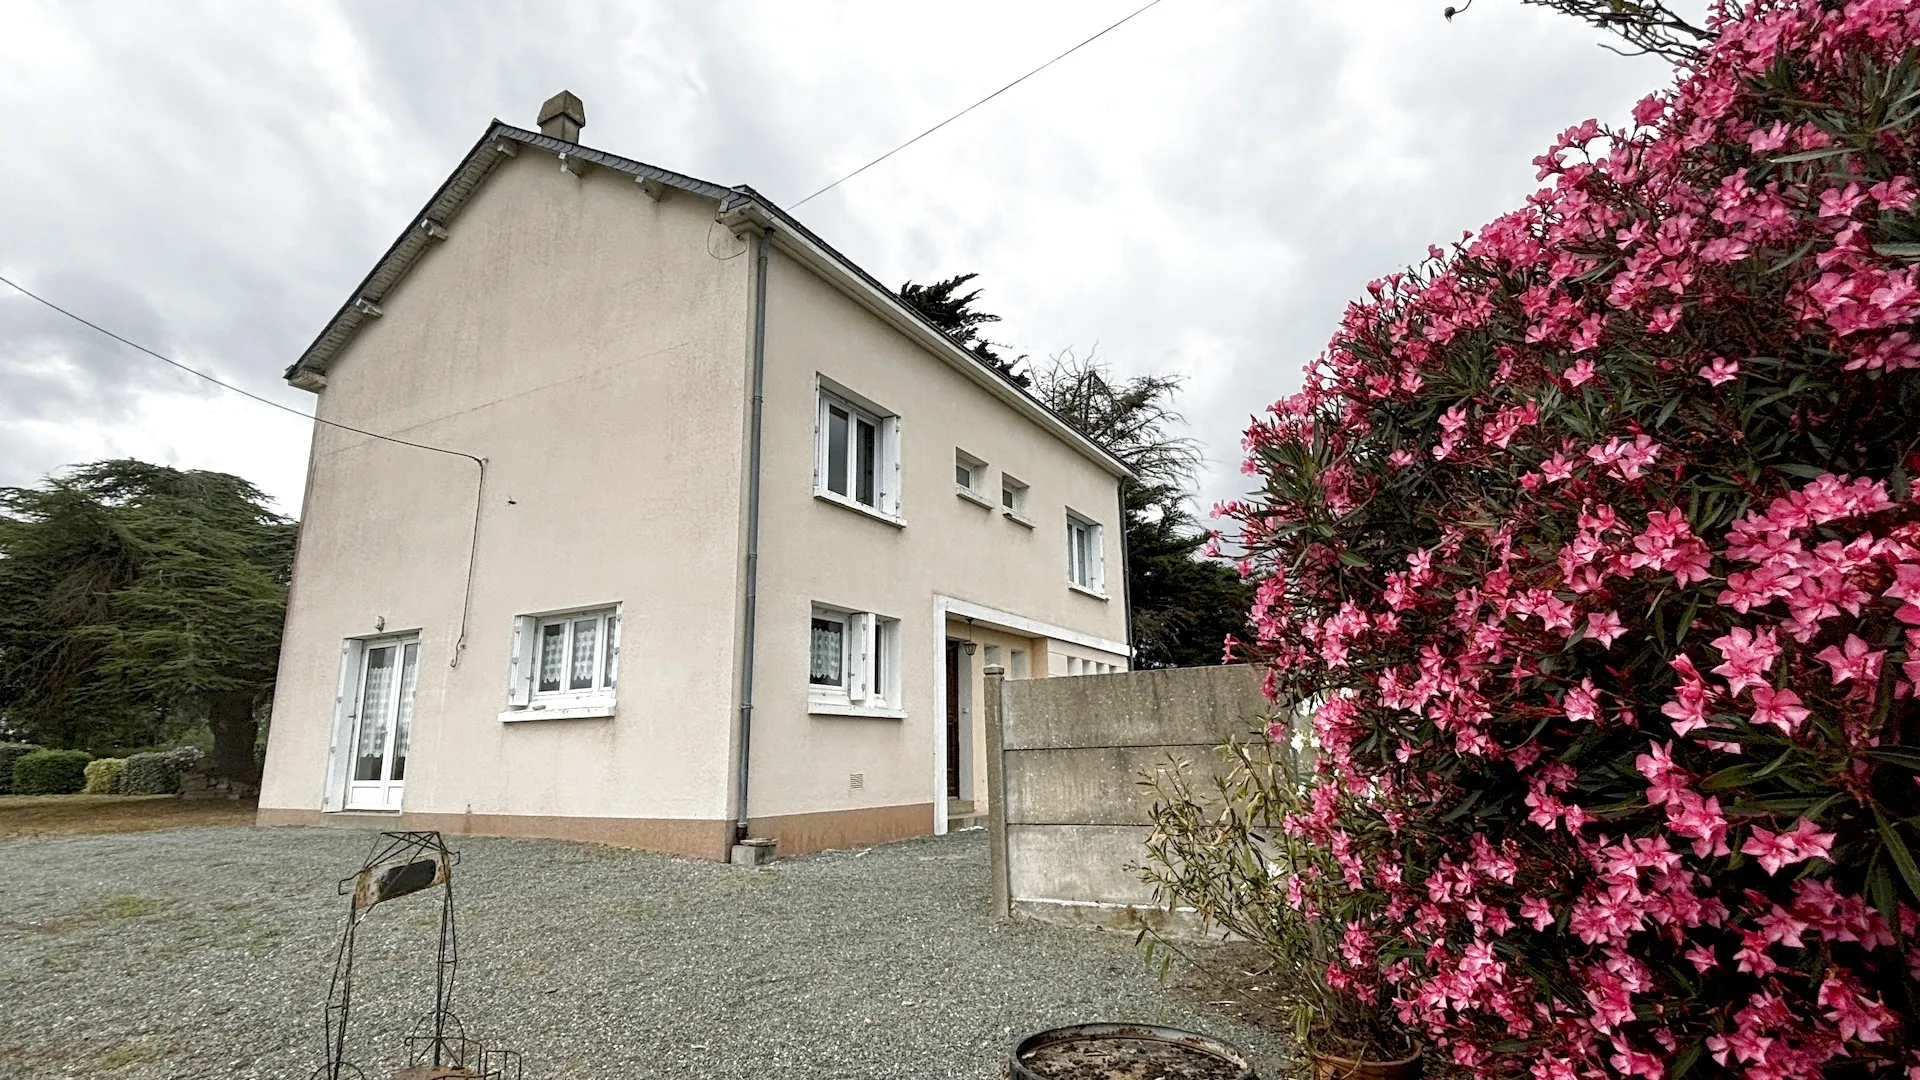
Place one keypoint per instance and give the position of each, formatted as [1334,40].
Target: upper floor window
[1013,499]
[856,454]
[970,478]
[1084,558]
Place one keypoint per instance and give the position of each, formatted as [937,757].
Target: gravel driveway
[206,953]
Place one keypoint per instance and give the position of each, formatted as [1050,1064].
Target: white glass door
[382,722]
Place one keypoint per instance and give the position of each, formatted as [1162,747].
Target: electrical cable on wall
[480,483]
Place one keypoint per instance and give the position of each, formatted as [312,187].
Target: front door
[955,674]
[382,722]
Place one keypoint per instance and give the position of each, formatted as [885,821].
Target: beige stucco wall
[593,345]
[580,337]
[815,551]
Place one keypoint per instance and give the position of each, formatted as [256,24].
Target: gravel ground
[206,953]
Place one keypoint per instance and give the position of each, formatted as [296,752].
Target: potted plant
[1235,852]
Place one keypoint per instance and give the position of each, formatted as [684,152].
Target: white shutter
[859,655]
[520,666]
[1098,572]
[890,445]
[819,439]
[345,705]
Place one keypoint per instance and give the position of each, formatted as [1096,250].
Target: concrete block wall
[1066,761]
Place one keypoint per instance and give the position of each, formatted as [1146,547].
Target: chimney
[563,116]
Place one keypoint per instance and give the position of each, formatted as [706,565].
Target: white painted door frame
[385,791]
[993,619]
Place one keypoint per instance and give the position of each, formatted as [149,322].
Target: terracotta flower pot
[1334,1067]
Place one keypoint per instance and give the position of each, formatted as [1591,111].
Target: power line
[480,482]
[16,287]
[1129,18]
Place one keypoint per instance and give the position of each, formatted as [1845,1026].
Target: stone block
[756,851]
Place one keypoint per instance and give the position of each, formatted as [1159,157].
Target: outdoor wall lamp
[968,644]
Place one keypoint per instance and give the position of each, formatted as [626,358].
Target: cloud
[1201,191]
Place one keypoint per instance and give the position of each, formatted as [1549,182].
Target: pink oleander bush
[1594,541]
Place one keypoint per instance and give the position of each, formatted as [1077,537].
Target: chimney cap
[562,116]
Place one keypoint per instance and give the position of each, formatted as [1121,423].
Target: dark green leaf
[1897,851]
[1905,756]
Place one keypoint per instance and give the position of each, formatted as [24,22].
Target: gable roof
[739,206]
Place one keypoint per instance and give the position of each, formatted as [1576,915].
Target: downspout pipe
[764,245]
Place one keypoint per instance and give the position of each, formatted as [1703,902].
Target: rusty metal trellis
[400,864]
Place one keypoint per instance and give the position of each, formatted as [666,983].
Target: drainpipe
[753,531]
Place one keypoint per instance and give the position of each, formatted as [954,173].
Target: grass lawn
[45,815]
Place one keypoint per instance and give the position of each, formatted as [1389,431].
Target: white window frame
[869,682]
[525,699]
[1086,565]
[886,467]
[1013,500]
[974,490]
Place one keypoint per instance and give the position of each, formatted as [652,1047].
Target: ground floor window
[564,663]
[853,659]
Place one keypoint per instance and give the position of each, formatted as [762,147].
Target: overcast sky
[1199,192]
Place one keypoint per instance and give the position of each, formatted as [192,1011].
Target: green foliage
[1213,849]
[956,316]
[103,776]
[159,773]
[9,753]
[130,593]
[1183,604]
[51,772]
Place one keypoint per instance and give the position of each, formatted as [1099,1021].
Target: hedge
[51,772]
[11,752]
[103,776]
[158,774]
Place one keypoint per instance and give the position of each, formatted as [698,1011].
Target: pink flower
[1748,657]
[1537,911]
[1579,372]
[1580,705]
[1775,850]
[1780,708]
[1853,661]
[1721,370]
[1666,782]
[1604,626]
[1906,587]
[1702,959]
[1857,1015]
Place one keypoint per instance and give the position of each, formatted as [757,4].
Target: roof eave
[430,224]
[739,208]
[747,209]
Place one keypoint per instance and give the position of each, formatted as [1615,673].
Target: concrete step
[956,822]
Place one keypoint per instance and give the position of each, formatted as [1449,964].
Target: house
[639,514]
